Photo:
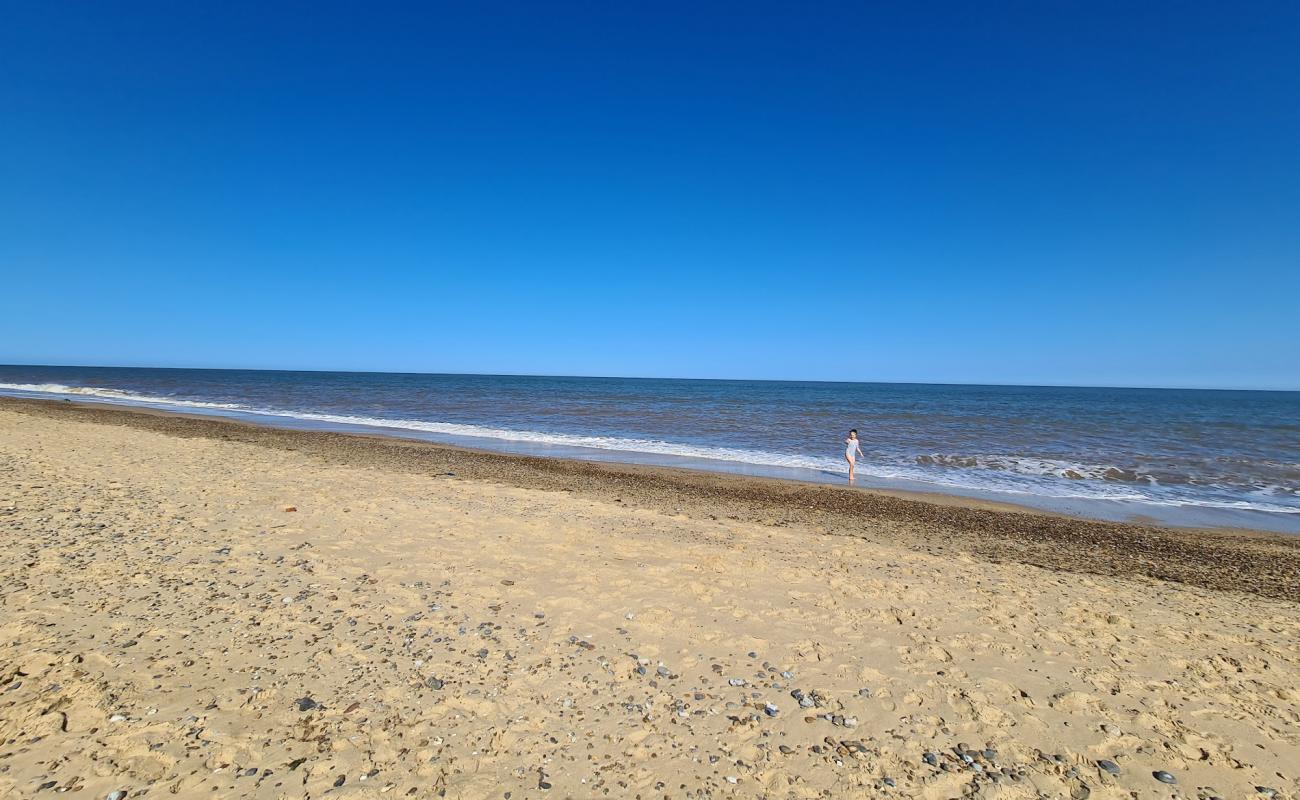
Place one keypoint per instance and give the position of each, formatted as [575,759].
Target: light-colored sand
[163,616]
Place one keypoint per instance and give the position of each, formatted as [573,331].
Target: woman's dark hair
[853,430]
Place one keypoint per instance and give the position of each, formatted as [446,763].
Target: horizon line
[669,378]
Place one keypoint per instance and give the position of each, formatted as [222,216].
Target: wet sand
[194,607]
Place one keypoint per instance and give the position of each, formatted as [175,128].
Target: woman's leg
[850,460]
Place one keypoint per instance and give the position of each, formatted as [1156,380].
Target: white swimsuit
[853,448]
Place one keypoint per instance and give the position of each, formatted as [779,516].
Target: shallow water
[1187,457]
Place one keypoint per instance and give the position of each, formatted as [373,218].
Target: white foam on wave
[1031,477]
[113,394]
[614,443]
[1026,465]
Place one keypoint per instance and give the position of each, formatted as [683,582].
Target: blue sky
[1062,193]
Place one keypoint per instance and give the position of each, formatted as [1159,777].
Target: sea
[1197,458]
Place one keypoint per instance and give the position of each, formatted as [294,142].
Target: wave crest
[1023,465]
[113,394]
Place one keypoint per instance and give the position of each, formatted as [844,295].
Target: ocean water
[1184,457]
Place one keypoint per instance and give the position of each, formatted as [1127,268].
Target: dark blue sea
[1183,457]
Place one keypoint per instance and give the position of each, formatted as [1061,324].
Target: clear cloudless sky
[1012,192]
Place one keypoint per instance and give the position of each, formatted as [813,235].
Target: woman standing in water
[853,449]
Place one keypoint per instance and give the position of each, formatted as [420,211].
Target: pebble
[849,722]
[1164,777]
[1109,766]
[306,704]
[736,682]
[663,671]
[889,782]
[931,759]
[770,710]
[118,795]
[434,683]
[1267,792]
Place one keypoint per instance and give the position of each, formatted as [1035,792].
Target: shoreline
[1256,562]
[1041,486]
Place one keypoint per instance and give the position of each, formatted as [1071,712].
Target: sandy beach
[194,607]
